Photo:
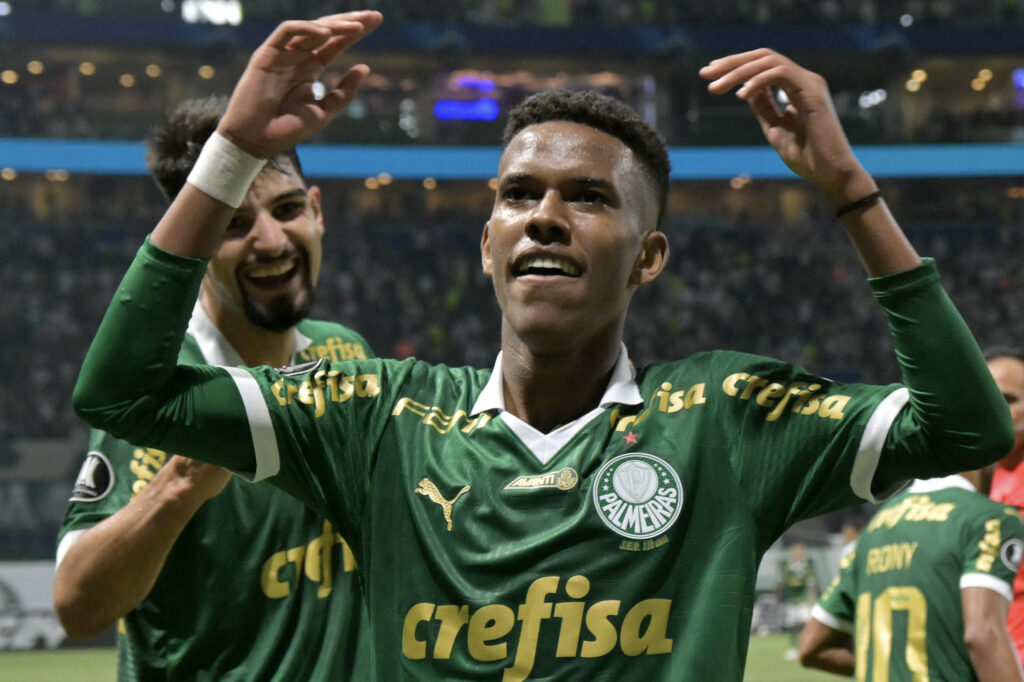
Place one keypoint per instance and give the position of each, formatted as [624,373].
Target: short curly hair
[606,114]
[174,145]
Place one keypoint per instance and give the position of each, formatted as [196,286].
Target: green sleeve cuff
[900,283]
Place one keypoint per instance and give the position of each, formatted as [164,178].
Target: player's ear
[485,249]
[651,260]
[315,203]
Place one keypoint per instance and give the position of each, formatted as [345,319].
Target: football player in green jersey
[216,578]
[564,515]
[924,595]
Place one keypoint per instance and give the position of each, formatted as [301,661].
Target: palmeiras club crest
[638,495]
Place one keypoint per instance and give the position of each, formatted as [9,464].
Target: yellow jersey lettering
[753,384]
[766,397]
[603,630]
[914,508]
[435,418]
[452,619]
[729,386]
[832,406]
[412,648]
[653,639]
[314,560]
[334,349]
[989,545]
[894,557]
[489,623]
[489,629]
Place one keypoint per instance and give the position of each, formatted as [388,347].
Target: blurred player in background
[924,595]
[213,577]
[1007,366]
[797,590]
[565,514]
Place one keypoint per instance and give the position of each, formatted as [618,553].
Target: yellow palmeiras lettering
[333,349]
[441,422]
[283,570]
[800,397]
[667,399]
[642,628]
[326,387]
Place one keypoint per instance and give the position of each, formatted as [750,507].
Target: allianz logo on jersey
[638,495]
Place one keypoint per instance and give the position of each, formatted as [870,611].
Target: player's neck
[549,390]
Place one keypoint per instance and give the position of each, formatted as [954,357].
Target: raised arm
[808,136]
[942,432]
[130,384]
[272,109]
[110,568]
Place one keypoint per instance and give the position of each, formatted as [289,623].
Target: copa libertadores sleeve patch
[95,479]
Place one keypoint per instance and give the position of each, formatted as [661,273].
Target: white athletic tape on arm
[224,170]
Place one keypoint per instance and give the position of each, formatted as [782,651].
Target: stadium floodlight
[217,12]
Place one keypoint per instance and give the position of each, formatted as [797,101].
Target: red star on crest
[630,438]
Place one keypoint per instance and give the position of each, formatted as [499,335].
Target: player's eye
[288,210]
[516,193]
[238,227]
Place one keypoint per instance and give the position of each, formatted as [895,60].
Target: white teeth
[270,270]
[550,264]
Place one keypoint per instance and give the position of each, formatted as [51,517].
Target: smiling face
[570,236]
[267,264]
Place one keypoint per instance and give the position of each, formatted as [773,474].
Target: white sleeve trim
[989,582]
[824,617]
[264,441]
[871,443]
[70,538]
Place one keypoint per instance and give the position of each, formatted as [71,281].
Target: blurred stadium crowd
[605,12]
[758,266]
[408,277]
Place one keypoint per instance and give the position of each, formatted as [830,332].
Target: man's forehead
[565,145]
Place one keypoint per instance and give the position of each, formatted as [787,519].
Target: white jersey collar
[215,347]
[930,485]
[621,390]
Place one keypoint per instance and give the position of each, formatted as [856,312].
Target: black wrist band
[859,203]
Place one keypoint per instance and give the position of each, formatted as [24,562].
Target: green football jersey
[623,545]
[898,593]
[799,580]
[258,586]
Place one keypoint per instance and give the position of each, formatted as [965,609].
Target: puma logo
[427,488]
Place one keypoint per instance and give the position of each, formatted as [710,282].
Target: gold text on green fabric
[666,399]
[433,416]
[333,349]
[282,571]
[800,397]
[482,633]
[325,387]
[912,508]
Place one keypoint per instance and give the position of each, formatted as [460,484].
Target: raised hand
[807,134]
[273,107]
